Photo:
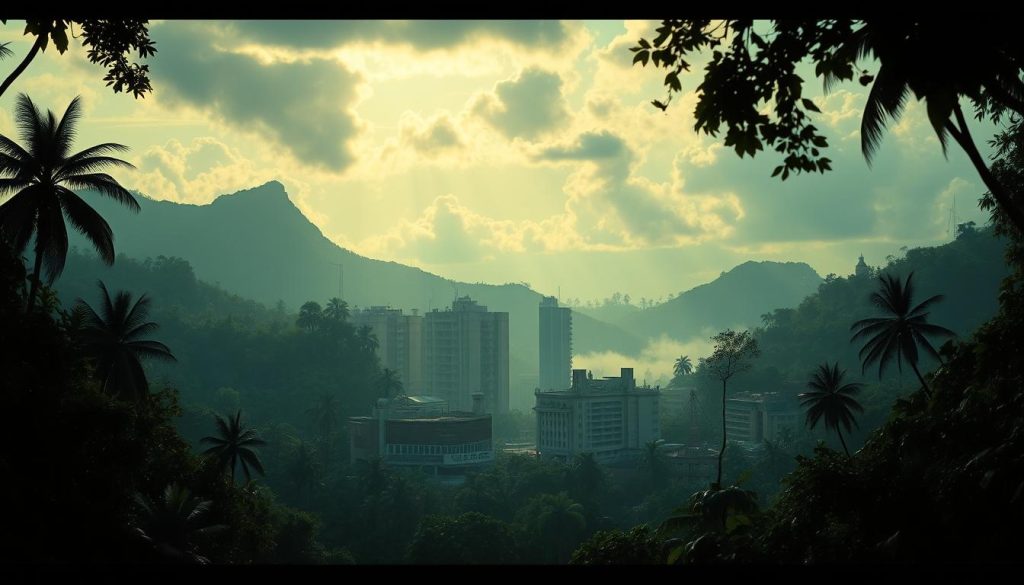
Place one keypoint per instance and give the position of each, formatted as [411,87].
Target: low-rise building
[421,431]
[694,464]
[612,418]
[754,417]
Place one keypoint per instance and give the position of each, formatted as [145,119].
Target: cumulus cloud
[526,106]
[645,212]
[305,108]
[196,172]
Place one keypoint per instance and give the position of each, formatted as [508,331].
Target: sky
[501,151]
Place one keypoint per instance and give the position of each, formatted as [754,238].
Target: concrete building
[466,351]
[421,431]
[400,342]
[694,464]
[555,344]
[752,418]
[611,418]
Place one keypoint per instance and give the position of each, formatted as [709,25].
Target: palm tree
[304,470]
[683,367]
[325,416]
[898,334]
[562,523]
[113,338]
[235,444]
[170,522]
[336,310]
[389,383]
[43,179]
[310,316]
[366,339]
[832,399]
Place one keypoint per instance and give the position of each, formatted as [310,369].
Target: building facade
[400,342]
[612,418]
[752,418]
[555,345]
[465,352]
[421,431]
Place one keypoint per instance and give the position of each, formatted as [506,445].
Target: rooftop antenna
[341,279]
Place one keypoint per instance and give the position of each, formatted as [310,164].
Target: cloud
[420,34]
[304,108]
[527,106]
[644,212]
[655,361]
[197,172]
[430,137]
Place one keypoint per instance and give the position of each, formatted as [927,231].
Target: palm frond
[105,185]
[89,223]
[64,133]
[885,102]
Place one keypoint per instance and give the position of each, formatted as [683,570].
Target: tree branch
[1006,98]
[40,41]
[962,135]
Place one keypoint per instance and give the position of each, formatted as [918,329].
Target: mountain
[256,243]
[735,299]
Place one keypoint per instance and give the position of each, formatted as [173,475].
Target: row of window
[398,449]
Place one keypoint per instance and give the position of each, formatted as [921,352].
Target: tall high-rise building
[400,342]
[466,351]
[555,344]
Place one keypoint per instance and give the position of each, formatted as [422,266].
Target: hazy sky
[500,151]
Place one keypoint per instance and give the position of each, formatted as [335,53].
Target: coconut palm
[832,399]
[43,177]
[336,310]
[310,316]
[113,337]
[683,367]
[389,384]
[900,332]
[367,339]
[171,521]
[235,444]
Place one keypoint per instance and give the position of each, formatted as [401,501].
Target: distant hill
[257,244]
[737,298]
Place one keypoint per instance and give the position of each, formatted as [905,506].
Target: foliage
[903,329]
[111,337]
[234,445]
[170,522]
[637,546]
[752,67]
[109,42]
[831,399]
[734,353]
[468,539]
[43,179]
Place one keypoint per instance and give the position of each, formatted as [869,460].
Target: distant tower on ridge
[862,268]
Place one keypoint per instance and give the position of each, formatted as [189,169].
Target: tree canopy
[110,42]
[751,85]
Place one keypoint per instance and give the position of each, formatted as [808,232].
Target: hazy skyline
[500,151]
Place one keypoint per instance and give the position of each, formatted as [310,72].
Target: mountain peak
[270,192]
